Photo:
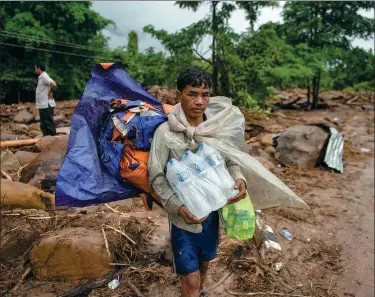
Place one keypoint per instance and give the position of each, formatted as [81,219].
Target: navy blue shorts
[190,249]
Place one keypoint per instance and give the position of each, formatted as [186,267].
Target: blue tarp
[82,179]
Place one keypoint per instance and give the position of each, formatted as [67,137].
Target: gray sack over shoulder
[224,129]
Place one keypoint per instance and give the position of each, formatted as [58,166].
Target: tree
[352,68]
[66,36]
[132,43]
[182,47]
[220,13]
[325,26]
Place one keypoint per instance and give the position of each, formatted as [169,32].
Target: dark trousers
[46,121]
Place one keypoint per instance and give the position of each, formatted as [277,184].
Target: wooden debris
[83,290]
[24,275]
[135,289]
[17,143]
[106,242]
[6,175]
[216,285]
[122,233]
[352,100]
[111,208]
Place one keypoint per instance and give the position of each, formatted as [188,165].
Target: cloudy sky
[134,15]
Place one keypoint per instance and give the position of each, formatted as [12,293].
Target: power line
[48,50]
[42,40]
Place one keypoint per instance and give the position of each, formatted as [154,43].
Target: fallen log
[17,143]
[352,100]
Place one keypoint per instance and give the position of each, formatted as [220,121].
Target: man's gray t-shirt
[42,90]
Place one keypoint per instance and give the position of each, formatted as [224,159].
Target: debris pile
[164,94]
[48,251]
[296,99]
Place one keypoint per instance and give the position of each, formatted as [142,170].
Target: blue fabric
[83,179]
[190,249]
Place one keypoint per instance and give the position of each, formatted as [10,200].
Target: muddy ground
[331,254]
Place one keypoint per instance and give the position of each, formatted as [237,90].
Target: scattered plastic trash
[354,134]
[308,239]
[286,234]
[278,266]
[114,284]
[336,120]
[364,150]
[279,166]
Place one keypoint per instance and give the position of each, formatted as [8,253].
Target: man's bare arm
[52,87]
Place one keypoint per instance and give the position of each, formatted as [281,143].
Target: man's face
[194,101]
[37,70]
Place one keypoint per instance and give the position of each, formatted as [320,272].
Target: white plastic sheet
[224,130]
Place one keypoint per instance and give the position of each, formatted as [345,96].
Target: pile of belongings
[111,134]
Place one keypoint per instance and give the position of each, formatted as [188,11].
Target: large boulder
[72,254]
[19,195]
[42,171]
[45,142]
[25,157]
[23,117]
[301,146]
[9,162]
[7,135]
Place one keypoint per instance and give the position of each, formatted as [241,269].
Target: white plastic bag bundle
[207,175]
[216,162]
[189,188]
[224,130]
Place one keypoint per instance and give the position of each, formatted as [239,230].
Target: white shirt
[42,90]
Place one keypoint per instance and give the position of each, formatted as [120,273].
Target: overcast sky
[134,15]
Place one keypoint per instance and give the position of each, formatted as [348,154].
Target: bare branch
[200,56]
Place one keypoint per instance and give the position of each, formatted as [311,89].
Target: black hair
[41,66]
[193,76]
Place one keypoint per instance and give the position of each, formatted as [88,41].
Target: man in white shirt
[44,100]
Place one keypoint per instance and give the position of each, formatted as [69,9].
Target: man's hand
[188,217]
[241,186]
[50,95]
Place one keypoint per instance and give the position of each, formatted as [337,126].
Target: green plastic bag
[239,219]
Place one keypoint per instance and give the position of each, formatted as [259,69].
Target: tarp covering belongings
[224,130]
[91,173]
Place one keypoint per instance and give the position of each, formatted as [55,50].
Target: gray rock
[301,146]
[23,117]
[9,162]
[25,157]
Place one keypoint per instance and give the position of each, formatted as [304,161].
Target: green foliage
[311,49]
[364,86]
[49,26]
[132,43]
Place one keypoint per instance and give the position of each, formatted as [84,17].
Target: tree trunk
[308,94]
[316,83]
[214,62]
